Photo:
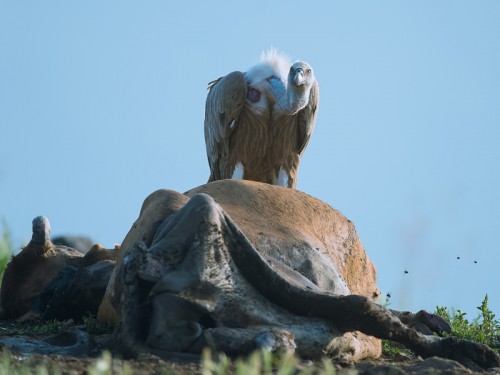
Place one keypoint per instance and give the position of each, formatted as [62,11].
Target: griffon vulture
[258,123]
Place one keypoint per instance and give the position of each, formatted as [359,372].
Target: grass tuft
[104,365]
[393,349]
[262,363]
[107,365]
[9,365]
[48,327]
[94,327]
[5,249]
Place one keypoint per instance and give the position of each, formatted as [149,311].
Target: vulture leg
[239,172]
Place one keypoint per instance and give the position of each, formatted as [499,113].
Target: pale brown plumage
[252,132]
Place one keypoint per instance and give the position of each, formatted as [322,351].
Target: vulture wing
[306,118]
[225,101]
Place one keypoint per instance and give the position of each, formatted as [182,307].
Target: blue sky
[101,103]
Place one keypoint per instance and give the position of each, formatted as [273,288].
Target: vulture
[258,122]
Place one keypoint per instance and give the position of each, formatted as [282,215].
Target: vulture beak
[298,77]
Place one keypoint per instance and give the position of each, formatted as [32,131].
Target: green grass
[257,363]
[262,363]
[393,349]
[95,327]
[104,365]
[9,366]
[5,248]
[48,327]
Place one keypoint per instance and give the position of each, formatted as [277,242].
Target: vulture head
[302,76]
[295,95]
[40,239]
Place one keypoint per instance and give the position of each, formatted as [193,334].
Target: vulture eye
[291,69]
[308,71]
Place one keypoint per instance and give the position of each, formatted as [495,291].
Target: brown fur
[274,219]
[30,271]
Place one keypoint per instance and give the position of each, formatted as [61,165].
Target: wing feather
[306,119]
[225,100]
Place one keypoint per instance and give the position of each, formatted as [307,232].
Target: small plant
[484,329]
[95,327]
[5,249]
[392,349]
